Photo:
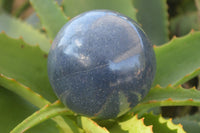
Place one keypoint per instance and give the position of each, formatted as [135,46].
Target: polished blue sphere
[101,64]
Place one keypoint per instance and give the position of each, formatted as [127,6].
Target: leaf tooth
[179,86]
[151,127]
[158,86]
[36,13]
[194,88]
[169,99]
[180,125]
[61,8]
[190,100]
[57,102]
[169,85]
[51,41]
[3,32]
[154,46]
[44,29]
[37,112]
[68,18]
[186,75]
[46,106]
[142,120]
[174,37]
[192,31]
[21,38]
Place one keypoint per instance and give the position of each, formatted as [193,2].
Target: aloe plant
[27,101]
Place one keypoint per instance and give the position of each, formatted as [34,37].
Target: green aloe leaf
[161,125]
[14,109]
[26,64]
[23,91]
[191,123]
[75,7]
[132,125]
[50,14]
[168,96]
[90,126]
[152,15]
[49,111]
[184,23]
[177,59]
[18,29]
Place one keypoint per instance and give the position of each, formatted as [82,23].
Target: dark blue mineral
[101,64]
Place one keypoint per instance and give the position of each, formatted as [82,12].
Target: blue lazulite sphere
[101,64]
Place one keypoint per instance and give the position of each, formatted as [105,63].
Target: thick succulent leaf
[191,123]
[50,15]
[75,7]
[169,96]
[16,29]
[161,125]
[23,91]
[152,15]
[49,111]
[132,125]
[26,64]
[182,24]
[13,109]
[176,59]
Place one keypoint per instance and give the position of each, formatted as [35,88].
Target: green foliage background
[28,103]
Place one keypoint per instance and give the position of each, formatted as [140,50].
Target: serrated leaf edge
[31,96]
[47,112]
[41,20]
[24,43]
[188,77]
[168,122]
[30,27]
[167,102]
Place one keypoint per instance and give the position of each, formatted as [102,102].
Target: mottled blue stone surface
[101,64]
